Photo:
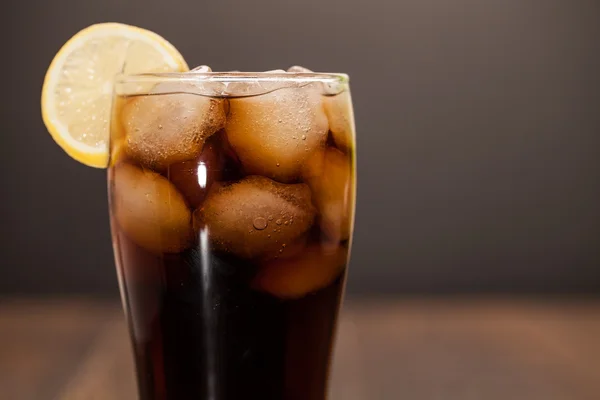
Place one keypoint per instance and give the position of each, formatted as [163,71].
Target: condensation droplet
[303,137]
[278,222]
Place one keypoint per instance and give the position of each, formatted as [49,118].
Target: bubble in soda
[170,125]
[242,217]
[275,133]
[311,270]
[329,175]
[150,210]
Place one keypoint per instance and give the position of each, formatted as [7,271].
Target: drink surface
[232,221]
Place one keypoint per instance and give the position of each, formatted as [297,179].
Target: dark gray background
[478,134]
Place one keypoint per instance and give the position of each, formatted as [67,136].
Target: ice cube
[329,175]
[313,269]
[275,133]
[287,250]
[194,177]
[297,68]
[256,216]
[341,119]
[162,129]
[338,107]
[150,210]
[249,86]
[201,68]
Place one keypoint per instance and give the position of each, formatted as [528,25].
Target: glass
[232,207]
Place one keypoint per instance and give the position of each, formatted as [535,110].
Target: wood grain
[415,349]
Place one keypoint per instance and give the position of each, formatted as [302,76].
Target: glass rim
[226,77]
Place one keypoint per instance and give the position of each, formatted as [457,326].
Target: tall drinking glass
[232,206]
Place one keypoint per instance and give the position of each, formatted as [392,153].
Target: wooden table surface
[442,349]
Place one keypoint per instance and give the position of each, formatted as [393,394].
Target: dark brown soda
[202,330]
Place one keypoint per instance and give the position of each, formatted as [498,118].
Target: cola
[232,205]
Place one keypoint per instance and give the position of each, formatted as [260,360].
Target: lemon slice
[77,91]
